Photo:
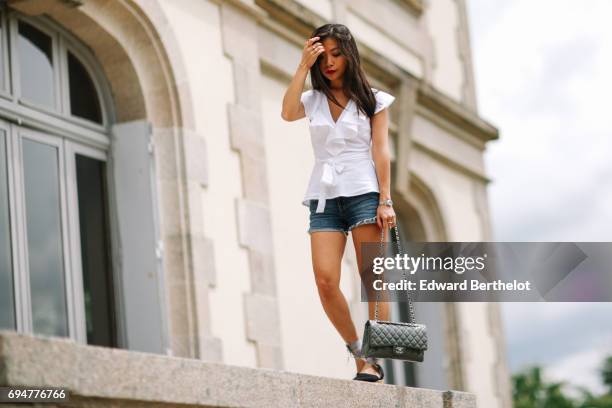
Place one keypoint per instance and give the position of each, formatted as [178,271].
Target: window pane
[389,372]
[84,100]
[2,62]
[404,311]
[43,227]
[97,277]
[408,366]
[36,65]
[7,301]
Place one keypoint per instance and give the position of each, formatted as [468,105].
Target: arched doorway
[420,220]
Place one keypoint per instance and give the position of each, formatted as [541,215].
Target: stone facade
[209,77]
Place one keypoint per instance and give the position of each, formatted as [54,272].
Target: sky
[543,73]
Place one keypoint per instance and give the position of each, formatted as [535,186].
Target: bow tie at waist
[333,166]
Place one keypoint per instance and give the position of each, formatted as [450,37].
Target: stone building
[150,194]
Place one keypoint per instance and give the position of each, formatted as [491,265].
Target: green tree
[606,374]
[530,391]
[591,401]
[602,401]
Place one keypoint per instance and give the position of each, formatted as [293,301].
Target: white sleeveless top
[343,160]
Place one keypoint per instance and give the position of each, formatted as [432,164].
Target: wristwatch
[386,202]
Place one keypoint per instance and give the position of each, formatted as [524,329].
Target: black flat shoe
[371,377]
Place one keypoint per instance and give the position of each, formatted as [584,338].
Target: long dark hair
[354,82]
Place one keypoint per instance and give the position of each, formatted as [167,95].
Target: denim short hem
[342,211]
[327,229]
[363,222]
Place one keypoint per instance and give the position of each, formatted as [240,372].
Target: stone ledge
[105,377]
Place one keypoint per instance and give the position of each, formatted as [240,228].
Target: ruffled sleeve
[308,100]
[383,100]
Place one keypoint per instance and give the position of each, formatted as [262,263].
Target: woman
[349,188]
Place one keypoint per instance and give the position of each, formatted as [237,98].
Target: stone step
[106,377]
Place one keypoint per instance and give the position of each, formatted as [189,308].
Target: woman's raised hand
[311,52]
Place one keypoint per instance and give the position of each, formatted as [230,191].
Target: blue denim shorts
[344,213]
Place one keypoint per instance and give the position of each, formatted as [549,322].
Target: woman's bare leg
[327,249]
[370,233]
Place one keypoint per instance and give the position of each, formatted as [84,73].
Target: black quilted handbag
[396,340]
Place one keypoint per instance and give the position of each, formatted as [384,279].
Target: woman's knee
[327,286]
